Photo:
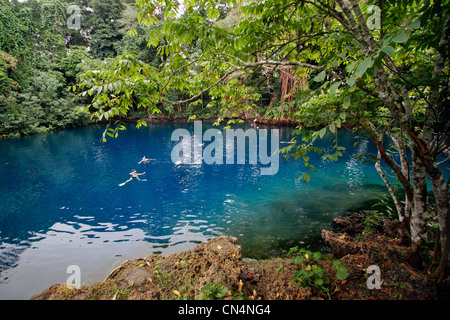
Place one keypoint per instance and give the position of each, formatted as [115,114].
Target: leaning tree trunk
[440,190]
[402,211]
[399,142]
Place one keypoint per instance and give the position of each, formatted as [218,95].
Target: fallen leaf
[176,292]
[241,284]
[219,247]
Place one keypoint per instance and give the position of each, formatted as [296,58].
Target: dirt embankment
[185,275]
[216,269]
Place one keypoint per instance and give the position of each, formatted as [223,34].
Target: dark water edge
[313,241]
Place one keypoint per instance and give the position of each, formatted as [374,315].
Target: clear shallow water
[60,203]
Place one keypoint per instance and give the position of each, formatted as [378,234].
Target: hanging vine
[290,83]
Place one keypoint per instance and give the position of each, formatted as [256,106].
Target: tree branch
[206,89]
[405,183]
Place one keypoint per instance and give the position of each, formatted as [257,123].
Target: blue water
[61,203]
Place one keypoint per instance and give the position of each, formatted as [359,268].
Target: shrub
[312,274]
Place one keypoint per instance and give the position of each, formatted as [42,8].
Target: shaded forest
[43,53]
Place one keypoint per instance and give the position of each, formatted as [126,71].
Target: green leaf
[332,128]
[299,260]
[306,177]
[363,66]
[132,32]
[351,81]
[389,50]
[413,24]
[401,37]
[337,263]
[316,255]
[320,77]
[222,292]
[292,250]
[351,66]
[333,88]
[322,132]
[342,273]
[318,281]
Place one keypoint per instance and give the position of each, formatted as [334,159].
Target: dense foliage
[41,54]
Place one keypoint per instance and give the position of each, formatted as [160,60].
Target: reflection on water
[354,171]
[61,203]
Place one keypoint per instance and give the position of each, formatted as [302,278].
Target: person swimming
[145,160]
[134,175]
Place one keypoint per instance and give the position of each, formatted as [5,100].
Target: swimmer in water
[145,160]
[134,175]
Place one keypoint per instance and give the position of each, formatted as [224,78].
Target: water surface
[61,203]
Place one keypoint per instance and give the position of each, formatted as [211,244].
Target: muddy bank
[217,270]
[185,276]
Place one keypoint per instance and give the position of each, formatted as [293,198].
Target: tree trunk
[440,190]
[404,223]
[419,208]
[401,147]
